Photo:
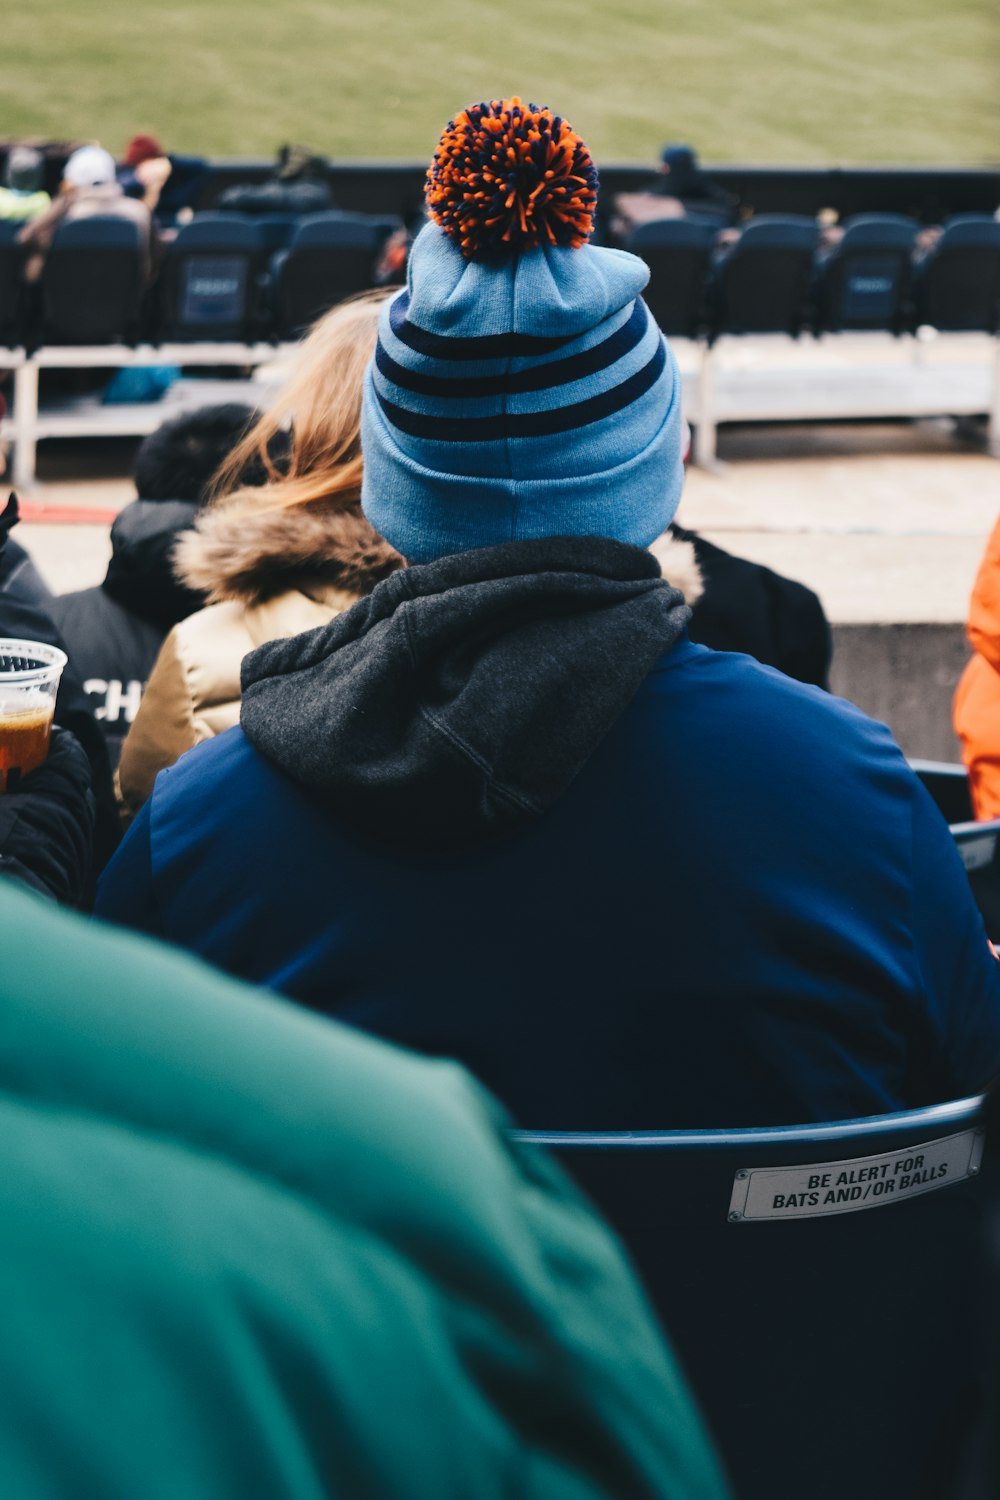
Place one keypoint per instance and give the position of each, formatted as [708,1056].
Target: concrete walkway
[887,522]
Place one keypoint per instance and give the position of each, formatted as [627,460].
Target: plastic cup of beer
[29,680]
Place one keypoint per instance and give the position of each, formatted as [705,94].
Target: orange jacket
[977,700]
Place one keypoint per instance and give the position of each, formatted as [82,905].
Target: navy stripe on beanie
[511,425]
[482,346]
[538,378]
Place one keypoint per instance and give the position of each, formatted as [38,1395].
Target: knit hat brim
[426,513]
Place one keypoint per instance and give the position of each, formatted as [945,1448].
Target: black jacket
[47,825]
[115,630]
[746,607]
[26,610]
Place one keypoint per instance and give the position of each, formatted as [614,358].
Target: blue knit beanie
[519,388]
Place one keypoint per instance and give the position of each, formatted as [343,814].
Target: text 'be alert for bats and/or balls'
[843,1187]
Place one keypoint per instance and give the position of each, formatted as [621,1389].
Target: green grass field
[839,81]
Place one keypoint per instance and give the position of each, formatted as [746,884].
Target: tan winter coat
[267,576]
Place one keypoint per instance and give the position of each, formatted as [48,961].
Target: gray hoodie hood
[461,698]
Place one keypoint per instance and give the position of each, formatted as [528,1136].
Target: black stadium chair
[212,281]
[94,282]
[957,284]
[948,784]
[823,1286]
[761,283]
[677,252]
[331,257]
[275,231]
[11,284]
[864,281]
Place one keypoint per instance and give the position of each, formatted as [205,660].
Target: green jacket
[249,1253]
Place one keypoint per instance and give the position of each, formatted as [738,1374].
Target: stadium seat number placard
[842,1187]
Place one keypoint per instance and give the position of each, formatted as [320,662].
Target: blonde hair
[321,401]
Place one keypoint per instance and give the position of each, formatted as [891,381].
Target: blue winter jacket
[744,909]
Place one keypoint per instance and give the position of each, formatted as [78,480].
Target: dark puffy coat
[24,617]
[115,630]
[47,825]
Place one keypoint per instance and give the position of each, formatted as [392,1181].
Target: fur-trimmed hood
[248,556]
[679,565]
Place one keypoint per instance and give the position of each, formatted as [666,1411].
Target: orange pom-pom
[508,176]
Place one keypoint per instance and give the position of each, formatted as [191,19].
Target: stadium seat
[677,252]
[761,283]
[94,282]
[275,231]
[829,1358]
[957,284]
[212,281]
[11,284]
[948,784]
[864,282]
[331,256]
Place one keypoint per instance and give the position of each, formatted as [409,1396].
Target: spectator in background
[682,180]
[738,605]
[284,556]
[298,185]
[89,187]
[681,189]
[504,808]
[144,170]
[250,1254]
[23,195]
[976,710]
[115,630]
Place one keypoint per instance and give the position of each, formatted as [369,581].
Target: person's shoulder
[92,620]
[759,703]
[217,774]
[64,606]
[211,643]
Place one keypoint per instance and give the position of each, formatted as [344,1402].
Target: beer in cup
[29,680]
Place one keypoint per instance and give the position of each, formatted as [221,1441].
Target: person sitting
[504,809]
[115,629]
[89,187]
[144,170]
[681,189]
[739,605]
[249,1254]
[298,185]
[976,708]
[274,559]
[23,195]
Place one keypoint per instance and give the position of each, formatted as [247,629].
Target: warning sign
[842,1187]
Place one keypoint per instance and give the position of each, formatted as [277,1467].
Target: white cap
[91,166]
